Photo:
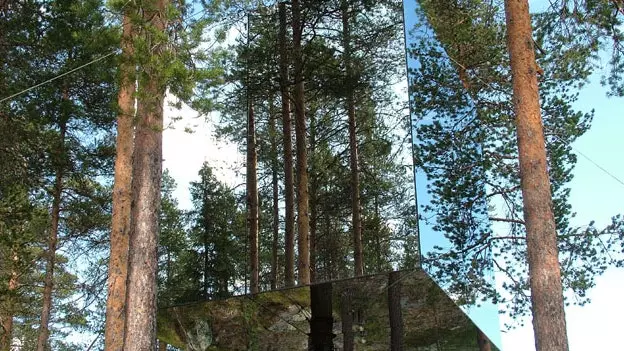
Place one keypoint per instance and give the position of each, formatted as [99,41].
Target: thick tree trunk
[275,188]
[289,189]
[322,321]
[252,198]
[303,219]
[122,197]
[346,315]
[55,215]
[549,323]
[353,146]
[6,317]
[140,331]
[395,312]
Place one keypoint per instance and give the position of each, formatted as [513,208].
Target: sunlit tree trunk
[122,197]
[289,190]
[303,219]
[549,323]
[140,330]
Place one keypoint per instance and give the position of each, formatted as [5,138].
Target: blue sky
[595,195]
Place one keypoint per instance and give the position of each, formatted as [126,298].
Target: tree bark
[322,321]
[313,205]
[289,190]
[6,317]
[394,311]
[549,323]
[252,197]
[122,197]
[55,215]
[140,330]
[303,219]
[275,208]
[353,146]
[162,346]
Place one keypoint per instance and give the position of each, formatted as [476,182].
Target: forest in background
[346,136]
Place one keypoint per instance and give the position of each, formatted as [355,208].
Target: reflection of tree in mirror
[460,91]
[359,192]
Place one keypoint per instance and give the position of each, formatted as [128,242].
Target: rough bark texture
[394,311]
[55,215]
[483,342]
[275,207]
[346,315]
[549,324]
[303,219]
[140,331]
[252,198]
[289,189]
[122,198]
[6,317]
[353,147]
[322,322]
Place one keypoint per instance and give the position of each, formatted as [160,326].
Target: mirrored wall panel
[319,185]
[316,181]
[402,310]
[449,152]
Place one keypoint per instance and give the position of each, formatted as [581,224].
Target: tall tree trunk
[322,321]
[549,323]
[55,215]
[275,187]
[353,146]
[6,317]
[140,330]
[289,190]
[313,202]
[122,197]
[252,197]
[346,315]
[303,219]
[395,312]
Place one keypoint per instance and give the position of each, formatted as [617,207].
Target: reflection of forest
[281,320]
[360,215]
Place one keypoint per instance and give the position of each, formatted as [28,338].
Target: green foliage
[466,147]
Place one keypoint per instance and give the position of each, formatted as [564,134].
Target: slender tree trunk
[549,323]
[55,215]
[346,315]
[6,321]
[140,330]
[206,259]
[275,208]
[394,311]
[252,197]
[122,197]
[313,203]
[289,189]
[322,321]
[303,219]
[483,342]
[162,346]
[353,147]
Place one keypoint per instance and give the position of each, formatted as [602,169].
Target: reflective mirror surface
[402,310]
